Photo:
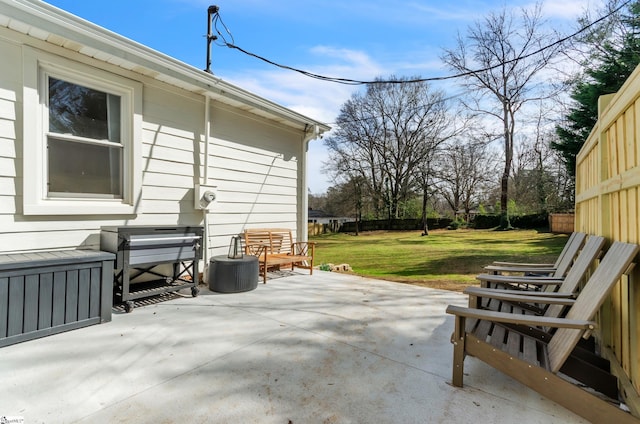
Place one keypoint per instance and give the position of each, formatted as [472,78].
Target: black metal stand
[142,250]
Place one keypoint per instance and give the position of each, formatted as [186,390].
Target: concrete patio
[327,348]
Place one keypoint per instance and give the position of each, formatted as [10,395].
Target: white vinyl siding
[172,123]
[10,150]
[255,166]
[253,162]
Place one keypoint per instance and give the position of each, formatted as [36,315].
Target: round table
[227,275]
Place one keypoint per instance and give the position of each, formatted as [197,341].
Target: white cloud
[315,98]
[568,9]
[320,100]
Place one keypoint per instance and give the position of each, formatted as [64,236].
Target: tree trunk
[358,198]
[504,214]
[425,227]
[508,157]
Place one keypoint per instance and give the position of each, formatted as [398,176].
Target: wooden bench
[275,247]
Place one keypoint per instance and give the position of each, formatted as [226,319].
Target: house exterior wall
[607,204]
[255,163]
[255,166]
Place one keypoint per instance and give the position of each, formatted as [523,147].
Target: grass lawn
[443,259]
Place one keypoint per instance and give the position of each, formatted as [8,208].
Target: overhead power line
[348,81]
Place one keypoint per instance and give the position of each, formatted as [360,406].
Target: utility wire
[348,81]
[217,19]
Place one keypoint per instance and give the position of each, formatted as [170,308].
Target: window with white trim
[84,148]
[81,156]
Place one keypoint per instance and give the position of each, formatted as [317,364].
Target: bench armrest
[303,248]
[256,249]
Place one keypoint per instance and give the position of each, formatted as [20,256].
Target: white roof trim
[46,22]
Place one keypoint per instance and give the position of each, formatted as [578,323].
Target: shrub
[324,267]
[458,223]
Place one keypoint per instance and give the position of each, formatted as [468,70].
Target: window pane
[83,112]
[81,168]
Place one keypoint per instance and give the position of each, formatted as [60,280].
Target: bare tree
[458,122]
[540,181]
[607,36]
[424,183]
[497,55]
[383,135]
[464,173]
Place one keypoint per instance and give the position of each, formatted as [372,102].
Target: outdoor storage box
[44,293]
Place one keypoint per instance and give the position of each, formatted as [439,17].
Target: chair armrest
[521,296]
[534,320]
[495,268]
[520,279]
[521,264]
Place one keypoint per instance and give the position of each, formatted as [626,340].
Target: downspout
[207,136]
[205,212]
[303,234]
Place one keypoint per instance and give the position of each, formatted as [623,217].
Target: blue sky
[353,39]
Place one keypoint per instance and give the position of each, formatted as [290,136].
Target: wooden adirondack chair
[492,285]
[557,270]
[521,346]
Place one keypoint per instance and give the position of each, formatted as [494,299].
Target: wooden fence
[561,222]
[607,204]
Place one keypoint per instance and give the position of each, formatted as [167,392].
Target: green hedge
[396,225]
[480,222]
[522,221]
[483,222]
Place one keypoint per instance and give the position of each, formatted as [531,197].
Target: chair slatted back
[589,253]
[568,254]
[616,261]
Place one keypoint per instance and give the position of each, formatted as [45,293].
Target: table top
[225,258]
[49,258]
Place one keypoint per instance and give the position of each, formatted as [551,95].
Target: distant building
[332,223]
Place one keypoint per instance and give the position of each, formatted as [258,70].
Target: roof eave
[49,23]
